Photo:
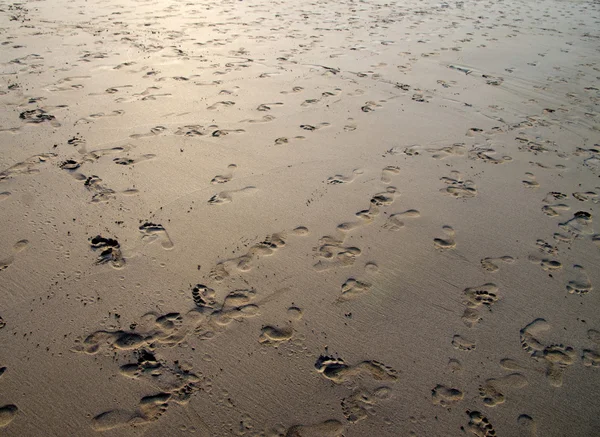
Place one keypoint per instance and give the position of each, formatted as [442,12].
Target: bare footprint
[338,371]
[7,414]
[462,344]
[530,182]
[492,391]
[352,289]
[548,265]
[476,297]
[557,357]
[492,264]
[555,209]
[388,172]
[221,179]
[527,426]
[19,246]
[581,283]
[340,179]
[445,396]
[396,221]
[448,242]
[225,196]
[151,232]
[457,187]
[329,428]
[580,224]
[480,425]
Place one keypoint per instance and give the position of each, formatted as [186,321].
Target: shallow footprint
[547,265]
[527,426]
[19,246]
[446,243]
[340,179]
[388,172]
[152,231]
[225,196]
[445,396]
[353,288]
[221,179]
[492,391]
[7,414]
[395,222]
[491,264]
[329,428]
[581,284]
[530,182]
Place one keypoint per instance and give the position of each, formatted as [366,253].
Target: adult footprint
[226,196]
[221,179]
[152,231]
[19,246]
[447,242]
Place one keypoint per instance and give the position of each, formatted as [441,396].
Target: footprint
[531,182]
[110,251]
[310,127]
[4,195]
[274,336]
[396,222]
[129,161]
[19,246]
[352,289]
[484,295]
[151,232]
[225,196]
[527,426]
[267,106]
[581,283]
[555,209]
[590,358]
[480,425]
[338,371]
[492,391]
[547,265]
[580,224]
[221,179]
[37,116]
[491,264]
[220,104]
[463,344]
[334,254]
[457,149]
[244,263]
[157,130]
[204,297]
[358,405]
[388,172]
[445,396]
[484,154]
[29,166]
[340,179]
[370,106]
[448,242]
[557,357]
[458,187]
[329,428]
[7,414]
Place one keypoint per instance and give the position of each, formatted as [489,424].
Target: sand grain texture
[288,218]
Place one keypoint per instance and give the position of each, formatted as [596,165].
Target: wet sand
[252,218]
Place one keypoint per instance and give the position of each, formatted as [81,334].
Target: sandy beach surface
[301,219]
